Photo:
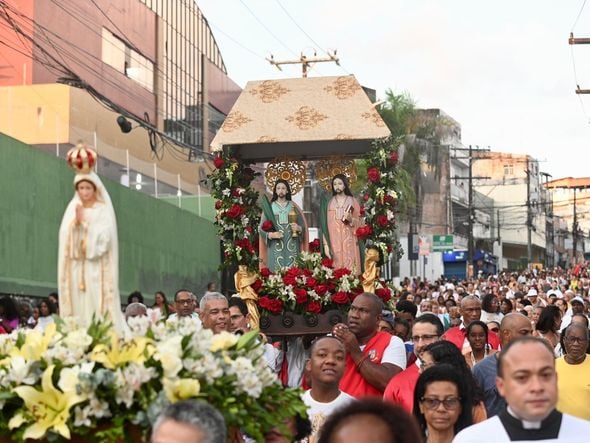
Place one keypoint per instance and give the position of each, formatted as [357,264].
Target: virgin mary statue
[88,266]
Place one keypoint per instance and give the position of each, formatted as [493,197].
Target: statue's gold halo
[292,171]
[327,168]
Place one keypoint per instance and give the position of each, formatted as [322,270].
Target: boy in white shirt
[325,368]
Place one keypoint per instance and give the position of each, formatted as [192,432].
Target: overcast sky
[504,69]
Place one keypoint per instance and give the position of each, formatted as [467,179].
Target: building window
[508,170]
[127,61]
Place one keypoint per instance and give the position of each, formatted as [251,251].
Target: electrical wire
[579,14]
[69,73]
[217,28]
[267,28]
[306,34]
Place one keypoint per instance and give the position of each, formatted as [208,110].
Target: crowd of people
[499,358]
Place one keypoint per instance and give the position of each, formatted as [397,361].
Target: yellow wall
[36,114]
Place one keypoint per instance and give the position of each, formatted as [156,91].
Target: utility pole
[471,213]
[529,218]
[579,41]
[471,209]
[575,231]
[305,62]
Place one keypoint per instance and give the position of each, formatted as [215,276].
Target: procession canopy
[306,118]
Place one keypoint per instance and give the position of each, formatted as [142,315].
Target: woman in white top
[46,313]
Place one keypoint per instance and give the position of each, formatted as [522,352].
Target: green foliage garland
[379,198]
[237,214]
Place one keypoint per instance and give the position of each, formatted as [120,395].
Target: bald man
[470,311]
[372,357]
[513,326]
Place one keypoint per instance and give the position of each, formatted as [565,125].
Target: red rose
[300,295]
[327,262]
[267,226]
[289,280]
[314,246]
[382,221]
[320,289]
[362,211]
[218,162]
[246,245]
[366,197]
[256,285]
[341,272]
[311,282]
[271,304]
[373,174]
[389,199]
[314,307]
[293,272]
[265,272]
[393,158]
[307,272]
[383,293]
[235,211]
[364,231]
[248,229]
[340,298]
[218,204]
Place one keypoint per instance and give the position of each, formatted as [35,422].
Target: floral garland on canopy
[378,205]
[91,383]
[317,287]
[237,214]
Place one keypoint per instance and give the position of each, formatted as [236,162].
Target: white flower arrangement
[94,383]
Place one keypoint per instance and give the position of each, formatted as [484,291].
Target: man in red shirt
[373,357]
[426,329]
[470,311]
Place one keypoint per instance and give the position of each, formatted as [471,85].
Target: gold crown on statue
[81,158]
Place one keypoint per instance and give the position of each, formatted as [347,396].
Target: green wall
[161,247]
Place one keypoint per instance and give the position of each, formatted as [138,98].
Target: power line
[305,33]
[578,17]
[74,80]
[299,27]
[98,63]
[237,42]
[267,28]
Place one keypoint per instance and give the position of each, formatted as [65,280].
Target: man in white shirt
[325,368]
[214,312]
[528,381]
[184,303]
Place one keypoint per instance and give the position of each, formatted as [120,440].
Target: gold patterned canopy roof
[308,118]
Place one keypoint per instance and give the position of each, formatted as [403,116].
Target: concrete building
[520,199]
[571,202]
[69,69]
[442,203]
